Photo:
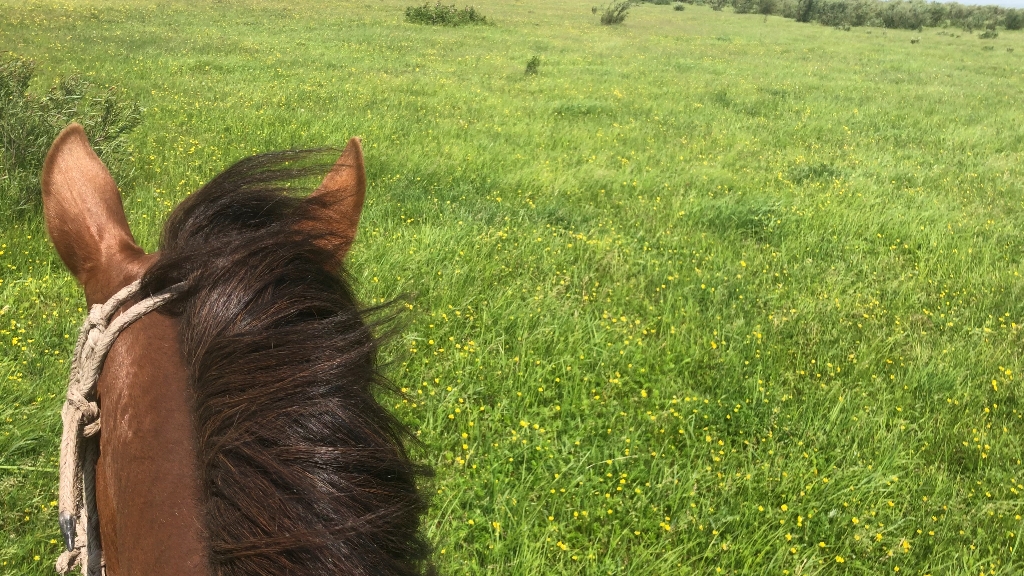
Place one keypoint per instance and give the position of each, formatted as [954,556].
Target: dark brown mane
[302,471]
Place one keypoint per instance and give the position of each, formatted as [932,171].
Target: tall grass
[707,296]
[29,123]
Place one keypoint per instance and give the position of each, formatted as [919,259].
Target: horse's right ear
[338,201]
[83,212]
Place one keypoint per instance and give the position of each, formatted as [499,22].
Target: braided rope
[79,447]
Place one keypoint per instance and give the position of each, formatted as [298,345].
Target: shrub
[29,123]
[532,65]
[903,15]
[661,2]
[744,6]
[1013,19]
[615,13]
[988,34]
[679,7]
[805,11]
[441,15]
[840,13]
[977,20]
[937,14]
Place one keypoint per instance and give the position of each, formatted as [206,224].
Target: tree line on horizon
[902,14]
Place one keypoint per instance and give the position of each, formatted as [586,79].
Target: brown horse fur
[240,430]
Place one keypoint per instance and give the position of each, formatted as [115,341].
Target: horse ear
[83,211]
[339,201]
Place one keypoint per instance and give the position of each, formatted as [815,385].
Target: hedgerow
[900,14]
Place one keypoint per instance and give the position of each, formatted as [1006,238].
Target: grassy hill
[708,294]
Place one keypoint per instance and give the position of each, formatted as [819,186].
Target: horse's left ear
[339,201]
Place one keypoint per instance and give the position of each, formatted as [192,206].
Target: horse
[241,433]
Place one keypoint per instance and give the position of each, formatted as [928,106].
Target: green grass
[707,292]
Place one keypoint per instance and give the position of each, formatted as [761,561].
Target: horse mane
[302,470]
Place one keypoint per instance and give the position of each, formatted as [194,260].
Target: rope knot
[88,411]
[96,319]
[67,560]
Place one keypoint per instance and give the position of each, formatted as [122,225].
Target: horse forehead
[148,440]
[147,350]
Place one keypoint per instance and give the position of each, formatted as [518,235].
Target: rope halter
[79,446]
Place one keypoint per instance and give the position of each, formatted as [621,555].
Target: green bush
[767,7]
[744,6]
[29,123]
[442,15]
[805,11]
[903,15]
[679,7]
[532,65]
[615,13]
[1013,19]
[937,14]
[988,34]
[846,13]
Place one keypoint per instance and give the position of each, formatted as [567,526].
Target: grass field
[708,294]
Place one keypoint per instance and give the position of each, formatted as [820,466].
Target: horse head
[240,430]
